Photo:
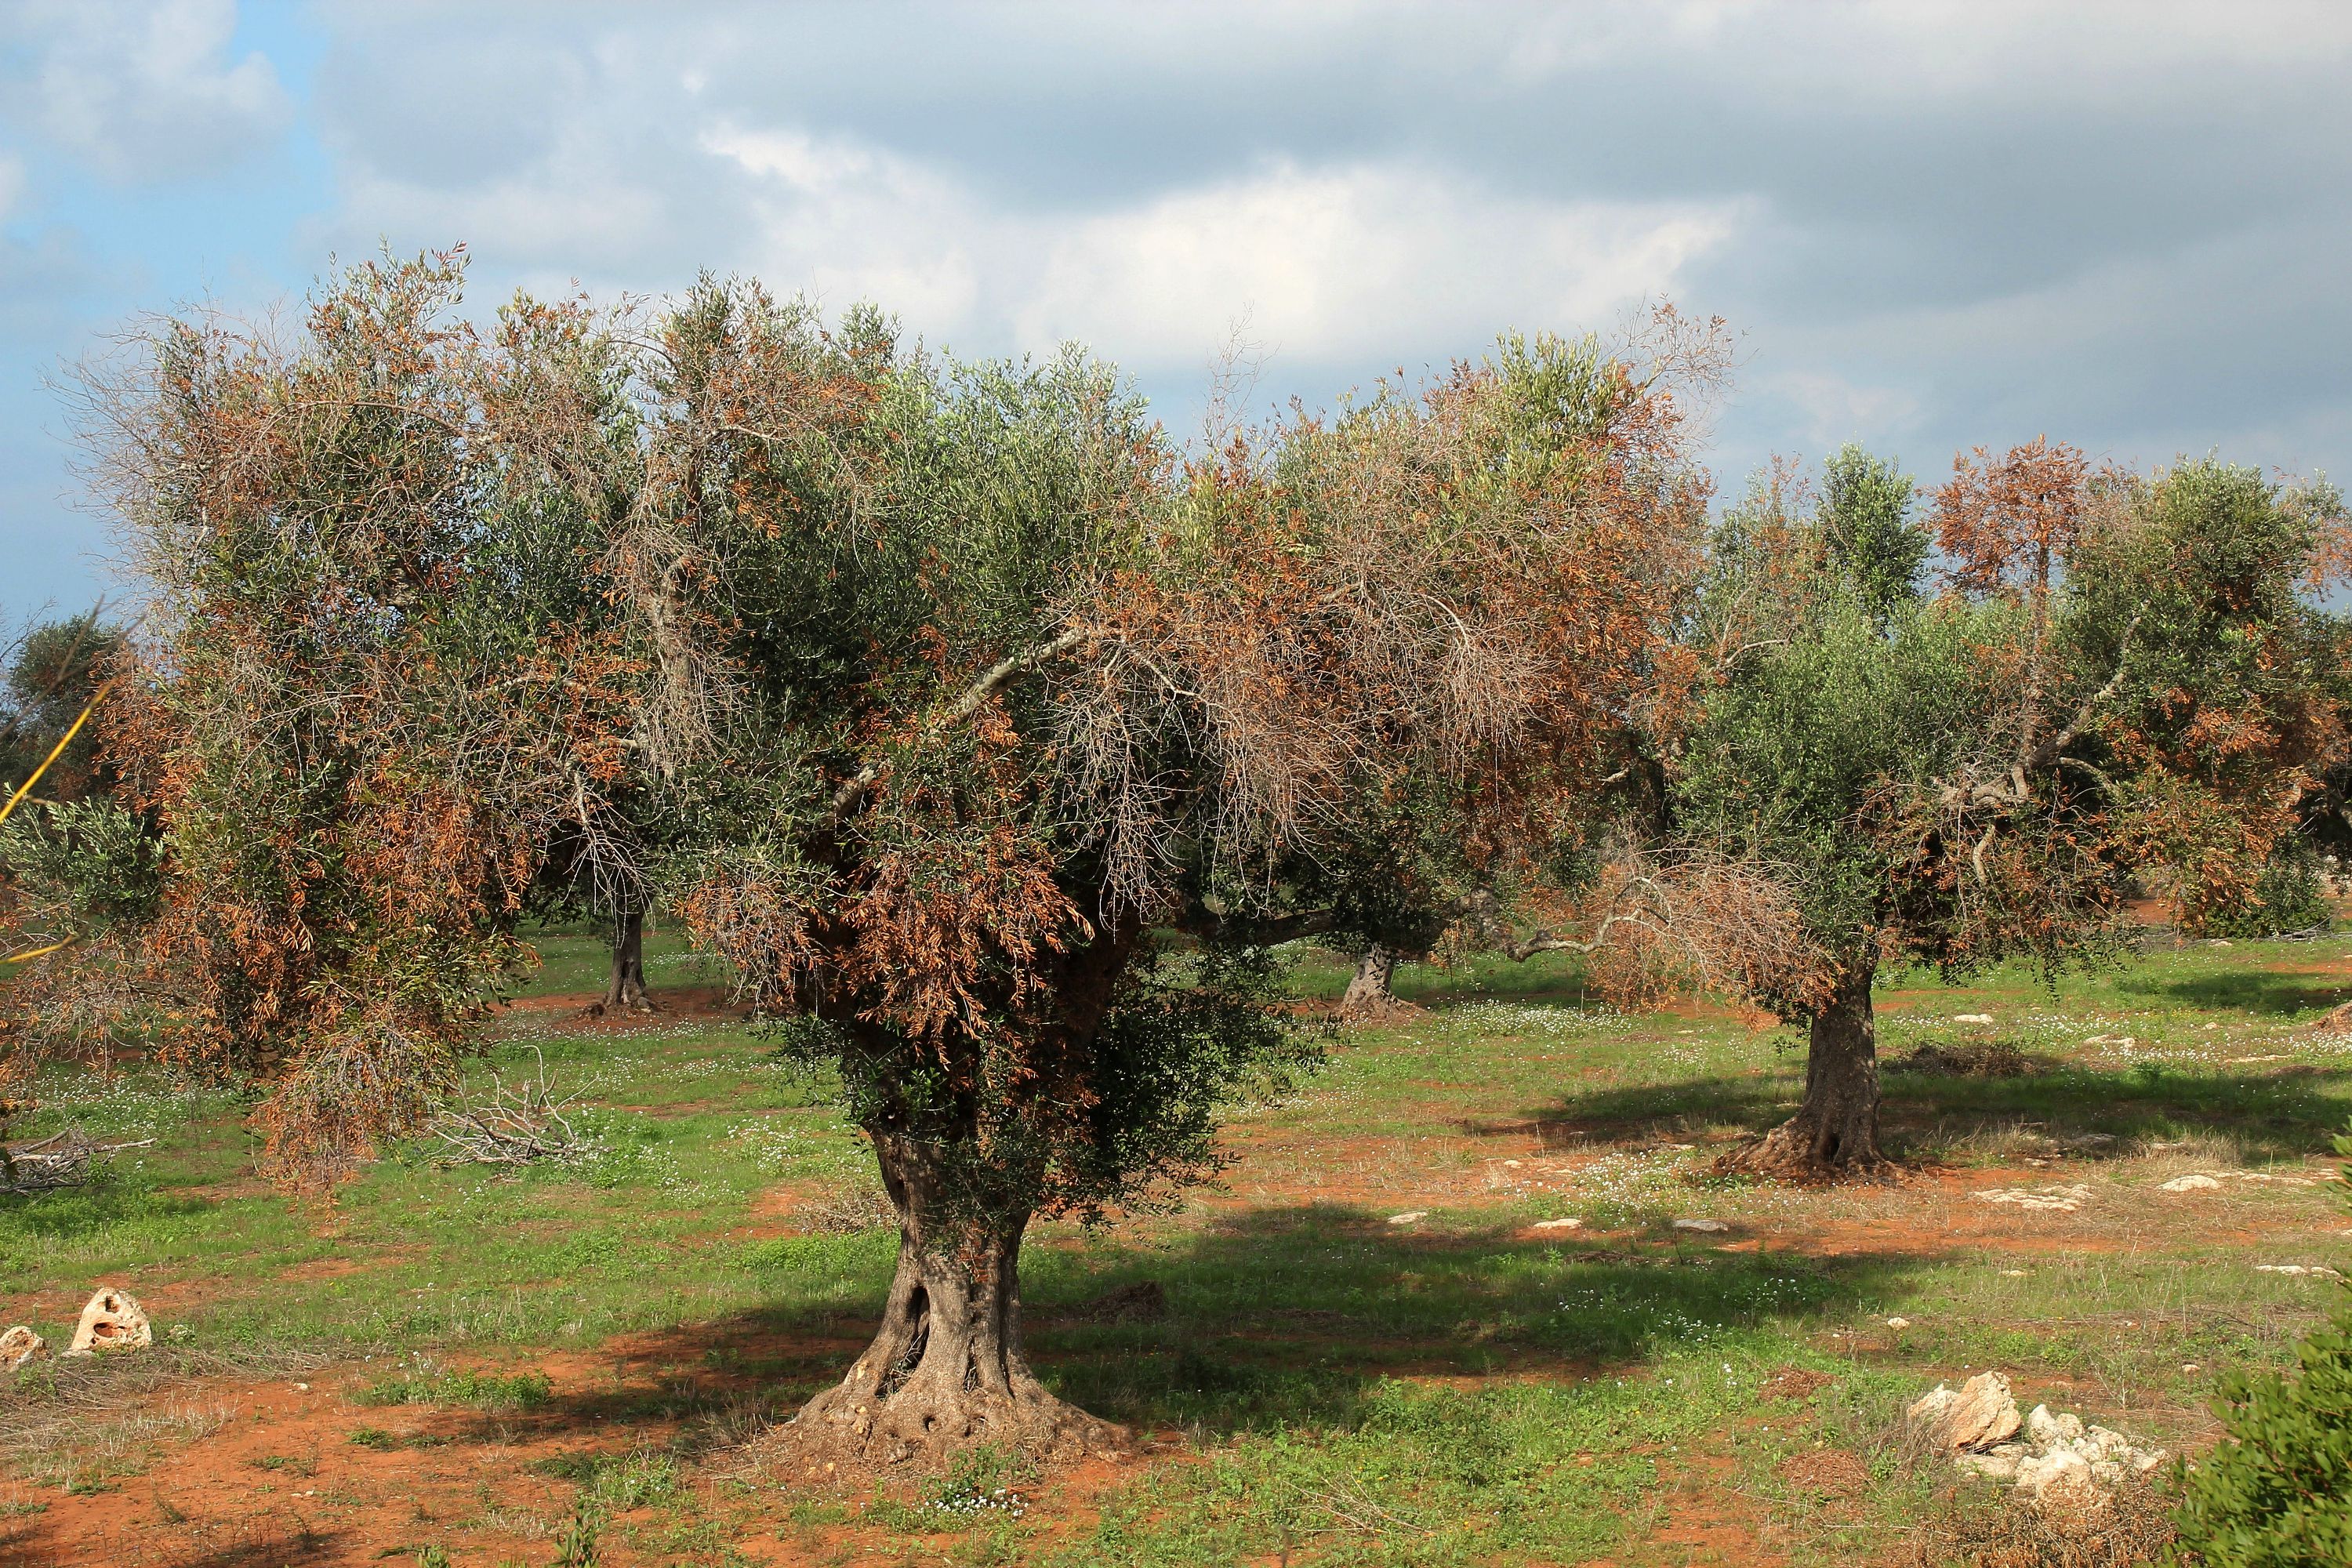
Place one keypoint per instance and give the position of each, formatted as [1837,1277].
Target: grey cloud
[1936,223]
[141,93]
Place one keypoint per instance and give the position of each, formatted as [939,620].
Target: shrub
[2288,898]
[2277,1492]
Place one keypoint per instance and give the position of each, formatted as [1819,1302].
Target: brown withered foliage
[989,693]
[357,708]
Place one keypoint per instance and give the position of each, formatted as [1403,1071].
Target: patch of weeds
[588,1250]
[575,1545]
[577,1467]
[425,1383]
[287,1464]
[639,1479]
[375,1437]
[982,1482]
[433,1557]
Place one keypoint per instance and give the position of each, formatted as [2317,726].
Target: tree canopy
[994,741]
[988,738]
[2120,681]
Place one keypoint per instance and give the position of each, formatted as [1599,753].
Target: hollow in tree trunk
[1368,994]
[1834,1134]
[946,1371]
[625,990]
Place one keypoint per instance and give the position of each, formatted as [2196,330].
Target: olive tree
[2120,677]
[998,723]
[364,700]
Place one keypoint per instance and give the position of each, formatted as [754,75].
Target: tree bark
[625,991]
[1369,995]
[946,1370]
[1834,1134]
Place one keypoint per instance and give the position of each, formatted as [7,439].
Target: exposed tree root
[1795,1152]
[945,1373]
[847,1435]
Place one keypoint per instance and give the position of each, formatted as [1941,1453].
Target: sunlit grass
[1459,1388]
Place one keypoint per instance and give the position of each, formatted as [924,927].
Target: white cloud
[1833,409]
[1327,264]
[1353,262]
[1905,52]
[145,91]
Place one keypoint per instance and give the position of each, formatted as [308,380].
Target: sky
[1932,224]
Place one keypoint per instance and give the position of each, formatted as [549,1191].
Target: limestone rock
[1710,1226]
[1557,1224]
[2063,1200]
[1409,1216]
[1997,1467]
[112,1320]
[1930,1408]
[1985,1413]
[1981,1414]
[2190,1185]
[2060,1468]
[19,1345]
[2106,1443]
[2045,1430]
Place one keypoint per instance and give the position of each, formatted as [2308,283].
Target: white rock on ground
[1980,1413]
[2044,1429]
[2060,1465]
[1557,1224]
[1709,1226]
[2063,1200]
[2191,1185]
[19,1345]
[112,1320]
[2057,1468]
[1408,1217]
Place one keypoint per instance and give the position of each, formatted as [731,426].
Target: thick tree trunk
[1369,995]
[625,991]
[1834,1134]
[945,1371]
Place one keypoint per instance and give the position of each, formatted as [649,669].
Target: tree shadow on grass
[2273,1116]
[1296,1316]
[1276,1319]
[281,1546]
[2263,992]
[75,1213]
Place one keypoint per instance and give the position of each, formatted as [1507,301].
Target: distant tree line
[995,742]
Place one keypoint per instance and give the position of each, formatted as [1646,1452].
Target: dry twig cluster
[514,1125]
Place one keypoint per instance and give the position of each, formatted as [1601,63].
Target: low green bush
[2277,1492]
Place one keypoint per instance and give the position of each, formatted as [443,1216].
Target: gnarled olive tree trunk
[1834,1134]
[945,1371]
[625,990]
[1368,994]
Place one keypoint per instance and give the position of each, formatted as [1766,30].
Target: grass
[564,1360]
